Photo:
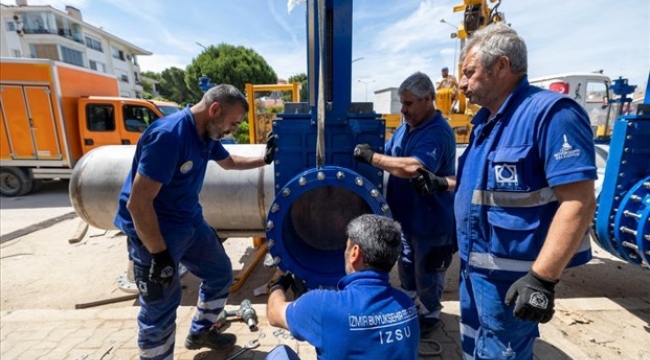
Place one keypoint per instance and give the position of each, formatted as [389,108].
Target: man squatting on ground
[159,212]
[365,318]
[524,198]
[425,139]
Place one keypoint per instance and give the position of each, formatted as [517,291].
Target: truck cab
[113,120]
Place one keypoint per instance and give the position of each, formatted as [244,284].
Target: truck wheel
[14,182]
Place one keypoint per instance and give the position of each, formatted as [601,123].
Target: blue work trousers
[282,352]
[422,266]
[201,252]
[488,328]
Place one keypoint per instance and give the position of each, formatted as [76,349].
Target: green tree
[174,88]
[241,134]
[302,80]
[147,87]
[228,64]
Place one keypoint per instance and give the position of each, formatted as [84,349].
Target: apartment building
[45,32]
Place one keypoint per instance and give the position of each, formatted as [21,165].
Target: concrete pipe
[234,202]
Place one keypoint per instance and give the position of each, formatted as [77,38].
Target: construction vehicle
[52,113]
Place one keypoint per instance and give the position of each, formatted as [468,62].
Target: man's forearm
[235,162]
[276,308]
[147,227]
[565,235]
[402,167]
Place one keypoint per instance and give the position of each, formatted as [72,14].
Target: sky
[393,38]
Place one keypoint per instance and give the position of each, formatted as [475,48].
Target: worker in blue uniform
[424,140]
[365,318]
[159,212]
[524,198]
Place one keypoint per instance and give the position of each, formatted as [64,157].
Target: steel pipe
[234,202]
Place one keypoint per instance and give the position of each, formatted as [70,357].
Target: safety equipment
[162,268]
[269,153]
[363,153]
[535,298]
[427,182]
[285,282]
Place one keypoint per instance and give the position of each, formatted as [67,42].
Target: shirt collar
[426,122]
[363,275]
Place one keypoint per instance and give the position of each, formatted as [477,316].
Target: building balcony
[66,33]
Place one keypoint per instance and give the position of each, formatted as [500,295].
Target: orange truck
[52,113]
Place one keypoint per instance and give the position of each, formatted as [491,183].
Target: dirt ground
[603,308]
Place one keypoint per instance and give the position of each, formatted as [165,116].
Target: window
[124,78]
[44,51]
[97,66]
[94,44]
[136,78]
[72,56]
[138,118]
[118,54]
[10,25]
[100,117]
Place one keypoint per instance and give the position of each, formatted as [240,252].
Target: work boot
[212,339]
[428,326]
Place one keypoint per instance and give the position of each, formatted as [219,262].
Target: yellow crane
[459,112]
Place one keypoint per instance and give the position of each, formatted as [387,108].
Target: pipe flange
[324,267]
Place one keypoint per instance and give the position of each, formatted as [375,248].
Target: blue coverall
[504,206]
[428,241]
[172,153]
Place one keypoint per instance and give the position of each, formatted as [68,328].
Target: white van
[591,90]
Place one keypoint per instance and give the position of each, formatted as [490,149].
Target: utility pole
[454,35]
[366,82]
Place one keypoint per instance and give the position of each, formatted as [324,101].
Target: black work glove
[269,153]
[162,268]
[285,282]
[535,298]
[427,182]
[363,153]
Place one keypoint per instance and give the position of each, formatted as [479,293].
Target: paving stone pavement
[110,333]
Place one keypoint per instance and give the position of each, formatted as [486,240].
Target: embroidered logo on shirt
[187,166]
[567,151]
[506,174]
[434,154]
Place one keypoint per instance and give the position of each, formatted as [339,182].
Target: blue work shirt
[504,197]
[171,152]
[365,319]
[433,144]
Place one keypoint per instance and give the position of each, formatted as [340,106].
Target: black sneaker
[212,339]
[428,327]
